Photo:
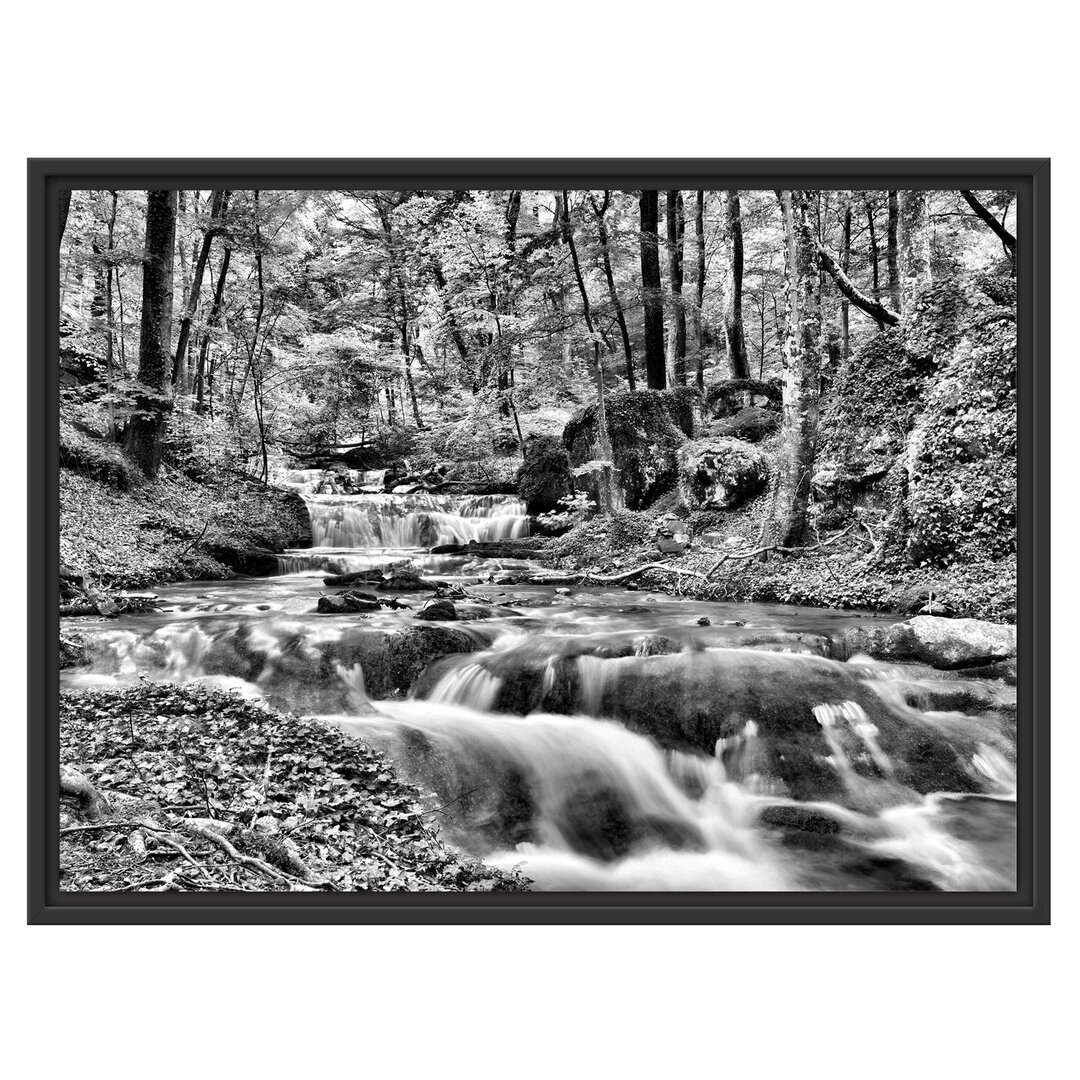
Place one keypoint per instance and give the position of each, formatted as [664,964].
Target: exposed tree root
[73,785]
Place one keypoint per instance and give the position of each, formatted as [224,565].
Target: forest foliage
[451,324]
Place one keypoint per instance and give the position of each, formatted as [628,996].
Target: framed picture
[539,541]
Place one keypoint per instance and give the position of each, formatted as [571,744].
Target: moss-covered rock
[720,474]
[729,396]
[410,651]
[866,418]
[544,477]
[646,429]
[941,643]
[752,424]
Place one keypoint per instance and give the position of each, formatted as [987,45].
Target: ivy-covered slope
[138,532]
[921,422]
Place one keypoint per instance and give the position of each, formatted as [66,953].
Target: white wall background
[562,79]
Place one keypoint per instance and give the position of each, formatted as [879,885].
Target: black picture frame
[1029,904]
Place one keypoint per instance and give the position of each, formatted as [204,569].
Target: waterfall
[402,522]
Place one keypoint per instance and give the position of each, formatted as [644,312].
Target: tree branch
[990,221]
[874,308]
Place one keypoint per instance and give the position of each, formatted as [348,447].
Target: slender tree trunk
[914,244]
[651,288]
[620,315]
[64,208]
[123,323]
[203,375]
[891,253]
[110,346]
[733,314]
[845,304]
[802,373]
[875,276]
[676,230]
[606,485]
[218,206]
[145,429]
[701,331]
[451,320]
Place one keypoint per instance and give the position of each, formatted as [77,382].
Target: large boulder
[544,477]
[720,473]
[942,643]
[646,429]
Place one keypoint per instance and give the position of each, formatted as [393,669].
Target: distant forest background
[452,325]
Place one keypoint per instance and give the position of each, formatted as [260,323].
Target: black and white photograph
[559,541]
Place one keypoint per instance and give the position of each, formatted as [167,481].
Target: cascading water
[356,532]
[606,740]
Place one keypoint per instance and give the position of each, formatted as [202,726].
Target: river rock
[410,651]
[374,575]
[942,643]
[347,603]
[403,581]
[74,650]
[438,610]
[721,473]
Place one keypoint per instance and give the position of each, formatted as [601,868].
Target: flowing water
[604,739]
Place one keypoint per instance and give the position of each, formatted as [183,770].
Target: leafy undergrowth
[188,774]
[172,528]
[847,574]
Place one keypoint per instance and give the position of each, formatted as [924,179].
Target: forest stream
[604,738]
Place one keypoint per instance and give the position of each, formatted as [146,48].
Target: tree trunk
[733,314]
[145,428]
[701,333]
[875,276]
[218,206]
[606,484]
[655,368]
[620,315]
[914,244]
[891,256]
[845,265]
[65,207]
[204,377]
[676,230]
[802,373]
[110,346]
